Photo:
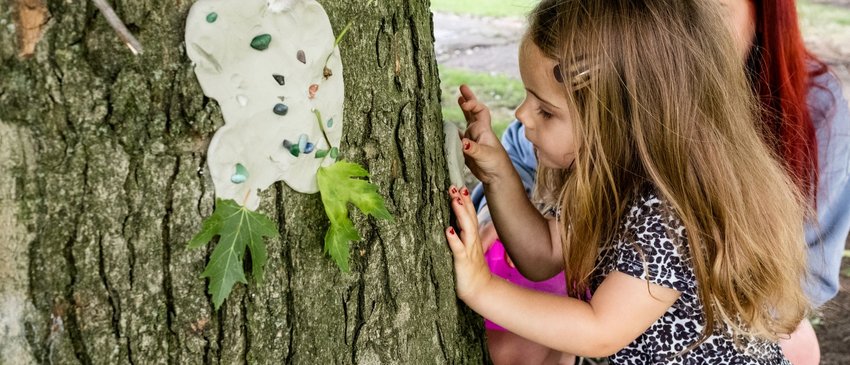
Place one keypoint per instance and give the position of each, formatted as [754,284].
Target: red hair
[782,70]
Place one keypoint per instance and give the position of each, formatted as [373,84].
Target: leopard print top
[654,237]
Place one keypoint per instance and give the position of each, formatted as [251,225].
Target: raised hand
[482,151]
[471,271]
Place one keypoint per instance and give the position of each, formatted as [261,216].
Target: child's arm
[532,241]
[622,308]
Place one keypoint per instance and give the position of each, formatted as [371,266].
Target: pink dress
[497,260]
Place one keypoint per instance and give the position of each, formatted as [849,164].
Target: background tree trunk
[102,184]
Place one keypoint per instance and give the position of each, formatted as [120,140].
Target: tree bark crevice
[167,243]
[73,323]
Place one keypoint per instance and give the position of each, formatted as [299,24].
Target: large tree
[103,181]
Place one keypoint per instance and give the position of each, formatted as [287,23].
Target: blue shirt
[826,237]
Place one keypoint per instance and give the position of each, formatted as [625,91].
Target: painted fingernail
[454,190]
[451,231]
[465,191]
[466,146]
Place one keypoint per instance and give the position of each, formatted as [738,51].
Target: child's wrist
[506,178]
[476,295]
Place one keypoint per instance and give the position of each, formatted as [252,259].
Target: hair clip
[579,73]
[558,75]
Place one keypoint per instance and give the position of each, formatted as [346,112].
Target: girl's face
[741,16]
[544,111]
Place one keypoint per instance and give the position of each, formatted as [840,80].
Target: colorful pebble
[294,150]
[330,123]
[280,79]
[309,148]
[321,153]
[241,174]
[302,142]
[261,42]
[211,17]
[313,90]
[291,147]
[334,153]
[281,109]
[301,56]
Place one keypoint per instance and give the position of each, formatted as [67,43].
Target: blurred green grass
[501,93]
[498,8]
[813,14]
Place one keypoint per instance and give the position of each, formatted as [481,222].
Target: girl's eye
[544,114]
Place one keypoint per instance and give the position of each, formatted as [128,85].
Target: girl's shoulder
[651,243]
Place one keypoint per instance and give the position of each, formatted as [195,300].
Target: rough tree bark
[102,183]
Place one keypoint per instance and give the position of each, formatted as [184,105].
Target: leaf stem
[336,42]
[322,127]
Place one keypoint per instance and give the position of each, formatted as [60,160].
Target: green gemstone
[321,153]
[240,175]
[294,150]
[330,123]
[261,42]
[334,153]
[211,17]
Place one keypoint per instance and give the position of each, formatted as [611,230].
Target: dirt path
[491,45]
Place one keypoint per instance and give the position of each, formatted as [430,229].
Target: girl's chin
[543,161]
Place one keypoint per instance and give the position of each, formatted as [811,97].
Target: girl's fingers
[466,114]
[466,222]
[466,196]
[467,93]
[455,244]
[471,149]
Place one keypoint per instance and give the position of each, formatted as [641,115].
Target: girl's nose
[523,118]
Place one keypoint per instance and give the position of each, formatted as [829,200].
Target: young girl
[652,178]
[807,120]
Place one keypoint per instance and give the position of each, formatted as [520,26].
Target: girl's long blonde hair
[659,96]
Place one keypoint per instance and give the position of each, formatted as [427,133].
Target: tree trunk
[102,184]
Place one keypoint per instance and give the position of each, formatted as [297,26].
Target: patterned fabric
[652,245]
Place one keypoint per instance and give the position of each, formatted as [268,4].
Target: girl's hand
[471,271]
[482,150]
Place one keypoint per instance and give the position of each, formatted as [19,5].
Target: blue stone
[302,142]
[330,122]
[240,175]
[281,109]
[309,147]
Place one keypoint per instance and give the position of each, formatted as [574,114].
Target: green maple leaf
[239,228]
[340,184]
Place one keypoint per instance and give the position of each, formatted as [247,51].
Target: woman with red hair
[805,119]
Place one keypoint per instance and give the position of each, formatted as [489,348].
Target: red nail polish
[454,191]
[466,146]
[451,231]
[460,201]
[465,192]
